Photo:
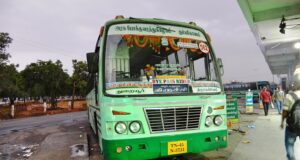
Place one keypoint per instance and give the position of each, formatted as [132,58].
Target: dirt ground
[30,109]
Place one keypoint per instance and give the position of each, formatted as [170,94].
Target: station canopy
[264,18]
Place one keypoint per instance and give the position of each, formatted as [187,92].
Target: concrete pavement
[264,141]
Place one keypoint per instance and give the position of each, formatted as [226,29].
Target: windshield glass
[158,59]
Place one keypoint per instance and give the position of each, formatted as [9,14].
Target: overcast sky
[67,29]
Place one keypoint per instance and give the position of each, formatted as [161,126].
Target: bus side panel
[92,110]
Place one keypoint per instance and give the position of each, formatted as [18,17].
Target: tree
[5,40]
[45,79]
[11,83]
[79,79]
[9,77]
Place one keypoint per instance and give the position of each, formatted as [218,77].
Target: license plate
[177,147]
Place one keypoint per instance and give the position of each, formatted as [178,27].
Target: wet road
[23,138]
[23,124]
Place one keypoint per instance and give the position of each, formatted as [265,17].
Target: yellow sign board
[177,147]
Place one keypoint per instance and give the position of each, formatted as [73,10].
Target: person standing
[290,111]
[265,96]
[278,97]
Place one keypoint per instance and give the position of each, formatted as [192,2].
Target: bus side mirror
[220,63]
[92,61]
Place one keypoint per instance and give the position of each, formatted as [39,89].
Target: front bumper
[154,147]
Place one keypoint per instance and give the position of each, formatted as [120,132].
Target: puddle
[14,130]
[16,151]
[79,150]
[4,156]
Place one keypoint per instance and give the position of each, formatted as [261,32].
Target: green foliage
[5,40]
[80,77]
[45,79]
[10,79]
[39,79]
[10,82]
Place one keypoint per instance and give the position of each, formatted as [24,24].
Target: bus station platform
[254,137]
[264,139]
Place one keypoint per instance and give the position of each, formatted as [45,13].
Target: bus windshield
[158,59]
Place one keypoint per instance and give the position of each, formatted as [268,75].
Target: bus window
[212,71]
[172,59]
[149,60]
[184,61]
[199,67]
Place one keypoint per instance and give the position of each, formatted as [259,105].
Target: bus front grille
[173,119]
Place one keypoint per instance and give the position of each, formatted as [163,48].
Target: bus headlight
[218,120]
[120,127]
[208,121]
[134,126]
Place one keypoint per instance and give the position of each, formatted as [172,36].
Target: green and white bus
[155,90]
